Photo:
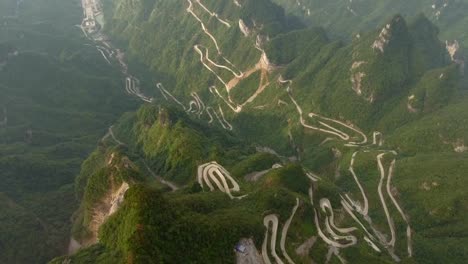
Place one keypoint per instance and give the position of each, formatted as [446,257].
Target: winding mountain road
[192,12]
[213,14]
[273,219]
[329,129]
[165,94]
[284,233]
[169,184]
[213,172]
[400,210]
[214,176]
[390,222]
[364,211]
[93,31]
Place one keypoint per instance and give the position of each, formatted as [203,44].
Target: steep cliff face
[103,194]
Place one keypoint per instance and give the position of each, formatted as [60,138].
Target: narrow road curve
[192,12]
[259,66]
[213,14]
[341,135]
[110,133]
[160,179]
[330,129]
[238,76]
[273,219]
[284,233]
[377,138]
[200,52]
[200,103]
[349,209]
[364,211]
[213,172]
[104,56]
[166,93]
[325,204]
[400,210]
[197,107]
[364,137]
[390,222]
[323,236]
[207,58]
[226,125]
[212,112]
[93,31]
[328,241]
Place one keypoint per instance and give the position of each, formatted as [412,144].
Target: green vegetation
[60,98]
[342,19]
[256,162]
[291,177]
[411,63]
[154,229]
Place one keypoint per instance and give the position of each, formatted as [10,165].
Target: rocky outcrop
[454,50]
[382,40]
[243,28]
[409,104]
[460,147]
[356,80]
[452,47]
[118,198]
[109,204]
[265,63]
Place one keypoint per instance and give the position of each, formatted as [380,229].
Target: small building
[241,248]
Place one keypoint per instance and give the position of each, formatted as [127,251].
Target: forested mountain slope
[57,99]
[258,131]
[264,132]
[345,18]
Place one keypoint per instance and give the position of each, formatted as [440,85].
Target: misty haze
[233,131]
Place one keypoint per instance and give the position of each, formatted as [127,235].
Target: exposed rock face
[73,246]
[357,64]
[356,80]
[243,27]
[409,105]
[357,77]
[460,147]
[266,64]
[384,37]
[108,206]
[260,41]
[453,48]
[118,198]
